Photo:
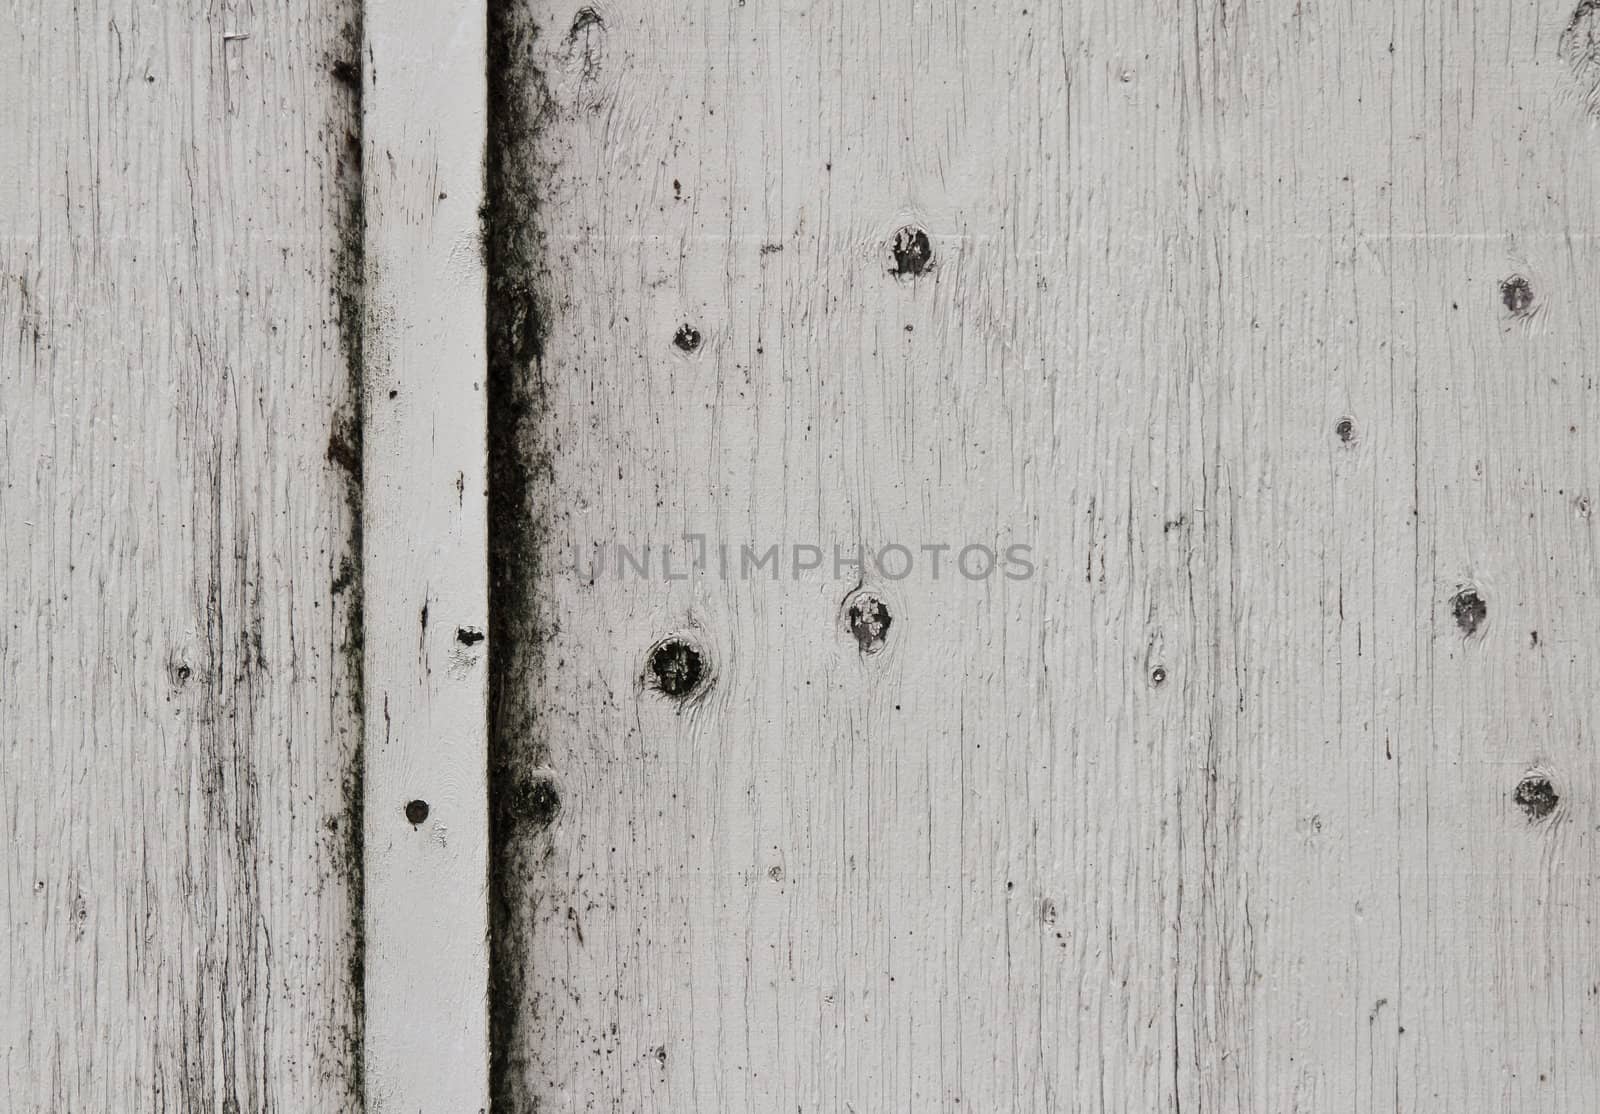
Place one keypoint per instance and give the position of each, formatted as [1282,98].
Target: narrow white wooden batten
[423,539]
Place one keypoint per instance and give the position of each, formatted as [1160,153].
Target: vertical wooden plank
[179,649]
[1404,203]
[937,272]
[424,534]
[1270,330]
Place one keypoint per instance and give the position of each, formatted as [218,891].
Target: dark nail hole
[869,621]
[535,802]
[1517,295]
[1536,796]
[469,636]
[1158,676]
[913,252]
[181,672]
[1469,610]
[1345,430]
[416,811]
[687,338]
[676,668]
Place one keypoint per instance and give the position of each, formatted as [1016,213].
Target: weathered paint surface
[179,573]
[426,566]
[1272,330]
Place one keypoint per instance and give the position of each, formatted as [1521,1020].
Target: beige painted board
[1216,812]
[179,666]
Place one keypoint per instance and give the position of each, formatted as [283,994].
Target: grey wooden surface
[179,650]
[1271,329]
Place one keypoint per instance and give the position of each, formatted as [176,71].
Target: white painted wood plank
[1218,812]
[424,540]
[179,687]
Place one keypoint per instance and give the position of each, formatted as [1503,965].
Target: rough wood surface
[1272,329]
[426,569]
[179,691]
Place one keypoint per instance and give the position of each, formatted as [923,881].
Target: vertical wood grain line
[424,547]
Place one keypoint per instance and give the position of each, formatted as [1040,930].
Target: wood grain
[424,536]
[1216,812]
[179,666]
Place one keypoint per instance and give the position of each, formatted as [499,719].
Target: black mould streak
[345,576]
[1469,610]
[347,73]
[533,803]
[348,296]
[687,338]
[1516,294]
[344,447]
[516,173]
[912,251]
[469,636]
[1536,796]
[676,668]
[869,620]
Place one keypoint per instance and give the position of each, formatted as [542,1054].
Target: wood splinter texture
[1103,282]
[180,468]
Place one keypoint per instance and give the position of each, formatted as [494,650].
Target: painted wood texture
[179,681]
[1271,329]
[426,566]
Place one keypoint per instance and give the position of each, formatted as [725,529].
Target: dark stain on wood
[1516,294]
[535,802]
[687,338]
[1469,609]
[676,667]
[347,73]
[518,309]
[912,251]
[1536,796]
[869,620]
[345,449]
